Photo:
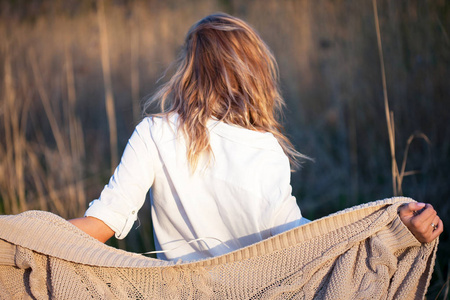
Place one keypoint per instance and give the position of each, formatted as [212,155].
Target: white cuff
[120,222]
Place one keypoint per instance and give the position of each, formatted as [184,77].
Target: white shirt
[242,196]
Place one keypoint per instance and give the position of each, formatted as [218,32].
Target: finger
[428,228]
[409,208]
[435,223]
[427,214]
[438,231]
[415,206]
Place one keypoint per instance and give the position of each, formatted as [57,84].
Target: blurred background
[73,75]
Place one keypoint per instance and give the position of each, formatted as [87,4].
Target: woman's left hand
[422,220]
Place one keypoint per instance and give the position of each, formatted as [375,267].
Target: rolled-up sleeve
[124,195]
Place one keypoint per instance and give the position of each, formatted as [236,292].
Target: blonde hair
[224,71]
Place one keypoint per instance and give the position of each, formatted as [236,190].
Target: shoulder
[250,138]
[156,122]
[158,128]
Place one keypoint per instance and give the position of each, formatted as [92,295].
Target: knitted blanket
[364,252]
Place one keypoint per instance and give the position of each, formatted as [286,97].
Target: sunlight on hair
[225,71]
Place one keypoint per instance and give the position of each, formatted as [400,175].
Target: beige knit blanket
[364,252]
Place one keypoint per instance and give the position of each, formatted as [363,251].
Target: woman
[216,159]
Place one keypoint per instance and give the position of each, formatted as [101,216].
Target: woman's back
[239,196]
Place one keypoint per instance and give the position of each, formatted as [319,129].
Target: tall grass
[71,70]
[398,176]
[109,98]
[36,174]
[14,152]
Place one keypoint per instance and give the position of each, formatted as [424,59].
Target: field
[73,75]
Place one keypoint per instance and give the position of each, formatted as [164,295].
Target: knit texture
[364,252]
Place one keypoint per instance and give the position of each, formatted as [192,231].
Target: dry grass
[109,98]
[398,176]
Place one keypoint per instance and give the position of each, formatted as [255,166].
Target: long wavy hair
[225,71]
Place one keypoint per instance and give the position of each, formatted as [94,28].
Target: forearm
[94,227]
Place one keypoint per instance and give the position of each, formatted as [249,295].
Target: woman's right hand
[94,227]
